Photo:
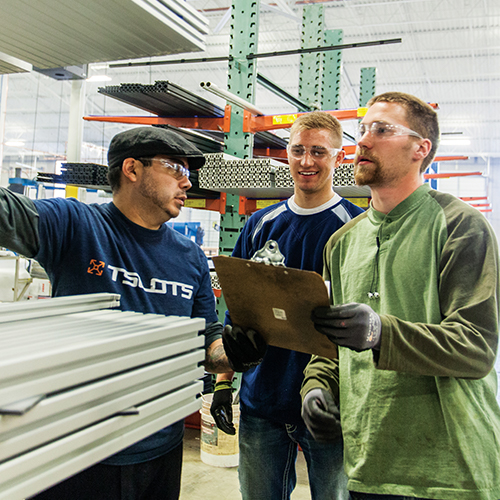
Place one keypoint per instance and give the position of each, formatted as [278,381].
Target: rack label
[195,203]
[281,119]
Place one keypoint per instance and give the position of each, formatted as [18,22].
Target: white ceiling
[450,54]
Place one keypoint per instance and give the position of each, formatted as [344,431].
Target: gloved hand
[321,415]
[356,326]
[221,408]
[244,350]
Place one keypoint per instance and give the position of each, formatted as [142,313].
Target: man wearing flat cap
[125,247]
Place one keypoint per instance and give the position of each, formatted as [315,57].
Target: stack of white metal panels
[343,176]
[283,177]
[80,382]
[264,177]
[243,177]
[343,181]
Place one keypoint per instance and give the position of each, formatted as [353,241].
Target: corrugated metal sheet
[55,33]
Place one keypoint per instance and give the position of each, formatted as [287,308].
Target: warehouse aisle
[205,482]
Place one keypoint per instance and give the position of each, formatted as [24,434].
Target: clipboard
[275,301]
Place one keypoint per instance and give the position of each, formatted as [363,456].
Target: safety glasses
[297,152]
[382,130]
[178,170]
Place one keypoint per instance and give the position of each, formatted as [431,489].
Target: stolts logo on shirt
[132,279]
[96,267]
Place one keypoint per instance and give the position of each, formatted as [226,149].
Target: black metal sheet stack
[94,176]
[91,175]
[205,143]
[264,140]
[167,99]
[164,98]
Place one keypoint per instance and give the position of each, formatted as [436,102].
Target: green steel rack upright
[241,82]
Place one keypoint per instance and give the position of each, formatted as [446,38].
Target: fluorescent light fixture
[282,8]
[99,66]
[11,64]
[99,78]
[222,22]
[455,142]
[15,143]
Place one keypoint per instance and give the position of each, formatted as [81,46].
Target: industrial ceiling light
[282,8]
[455,142]
[99,78]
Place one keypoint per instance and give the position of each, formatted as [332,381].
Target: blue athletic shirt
[272,389]
[95,248]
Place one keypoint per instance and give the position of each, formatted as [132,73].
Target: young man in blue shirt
[270,423]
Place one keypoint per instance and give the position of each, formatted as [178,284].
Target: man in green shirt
[415,287]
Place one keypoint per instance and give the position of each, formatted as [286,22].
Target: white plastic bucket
[216,447]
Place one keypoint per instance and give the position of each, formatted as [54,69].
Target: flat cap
[146,142]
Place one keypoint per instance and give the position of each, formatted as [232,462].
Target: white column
[4,86]
[76,113]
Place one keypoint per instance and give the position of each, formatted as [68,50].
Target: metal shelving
[163,98]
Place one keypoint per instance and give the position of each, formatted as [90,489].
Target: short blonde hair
[318,120]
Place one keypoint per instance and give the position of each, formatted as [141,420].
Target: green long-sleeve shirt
[423,420]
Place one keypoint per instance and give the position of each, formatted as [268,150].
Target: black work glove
[221,408]
[321,416]
[356,326]
[244,350]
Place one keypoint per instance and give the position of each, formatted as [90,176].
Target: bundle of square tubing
[80,381]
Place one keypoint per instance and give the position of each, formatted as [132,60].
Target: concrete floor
[206,482]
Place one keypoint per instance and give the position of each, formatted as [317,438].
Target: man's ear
[130,169]
[423,150]
[340,158]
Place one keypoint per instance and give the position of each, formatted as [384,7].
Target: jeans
[372,496]
[268,452]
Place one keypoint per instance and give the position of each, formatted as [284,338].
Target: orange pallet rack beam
[438,158]
[216,205]
[259,123]
[447,175]
[193,122]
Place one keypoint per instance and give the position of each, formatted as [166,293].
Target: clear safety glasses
[178,170]
[298,152]
[382,130]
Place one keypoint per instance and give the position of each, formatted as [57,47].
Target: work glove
[244,350]
[321,416]
[221,408]
[356,326]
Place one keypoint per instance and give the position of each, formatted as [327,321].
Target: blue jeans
[268,451]
[372,496]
